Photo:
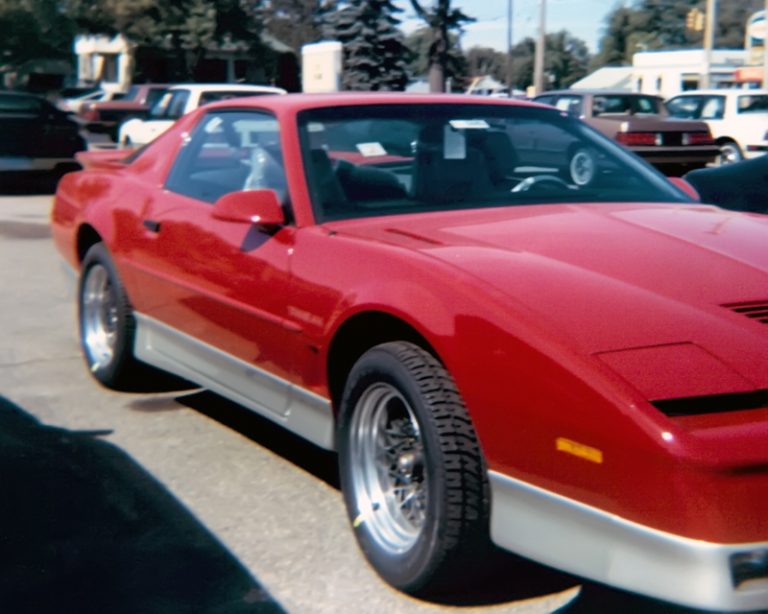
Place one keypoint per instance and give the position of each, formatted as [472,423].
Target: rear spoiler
[103,158]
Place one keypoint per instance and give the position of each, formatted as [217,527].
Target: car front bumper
[595,544]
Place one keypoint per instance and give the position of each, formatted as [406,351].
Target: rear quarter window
[753,103]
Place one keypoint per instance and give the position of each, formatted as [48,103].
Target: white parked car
[181,99]
[72,100]
[737,118]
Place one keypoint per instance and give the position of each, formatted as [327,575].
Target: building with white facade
[105,60]
[667,73]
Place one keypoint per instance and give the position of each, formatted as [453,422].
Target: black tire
[421,516]
[106,323]
[730,153]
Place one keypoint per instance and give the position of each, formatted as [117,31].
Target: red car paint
[566,326]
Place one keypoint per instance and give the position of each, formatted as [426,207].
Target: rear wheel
[582,167]
[106,321]
[411,470]
[730,152]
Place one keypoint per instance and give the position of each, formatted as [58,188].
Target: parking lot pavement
[177,500]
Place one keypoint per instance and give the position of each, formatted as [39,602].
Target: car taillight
[698,138]
[90,114]
[639,138]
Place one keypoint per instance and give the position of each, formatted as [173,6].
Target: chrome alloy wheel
[98,317]
[582,167]
[730,153]
[389,476]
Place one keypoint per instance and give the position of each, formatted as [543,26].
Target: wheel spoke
[390,480]
[99,317]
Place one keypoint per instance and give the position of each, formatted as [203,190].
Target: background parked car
[179,100]
[36,136]
[741,187]
[106,116]
[640,122]
[73,99]
[738,119]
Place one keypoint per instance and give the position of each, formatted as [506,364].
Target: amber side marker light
[749,567]
[579,449]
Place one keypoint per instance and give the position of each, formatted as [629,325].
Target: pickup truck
[106,116]
[641,123]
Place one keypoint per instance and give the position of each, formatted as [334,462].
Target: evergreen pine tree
[375,56]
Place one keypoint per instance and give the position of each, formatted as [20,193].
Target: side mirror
[685,186]
[258,207]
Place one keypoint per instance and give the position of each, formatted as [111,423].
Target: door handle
[152,225]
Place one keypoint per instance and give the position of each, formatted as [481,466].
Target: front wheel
[412,472]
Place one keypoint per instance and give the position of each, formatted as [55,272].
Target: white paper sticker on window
[454,144]
[469,124]
[371,149]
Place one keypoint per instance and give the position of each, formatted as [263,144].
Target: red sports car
[511,329]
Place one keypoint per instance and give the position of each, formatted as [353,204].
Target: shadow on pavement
[85,529]
[28,184]
[598,598]
[505,578]
[294,449]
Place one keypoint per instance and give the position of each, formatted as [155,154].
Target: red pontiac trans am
[512,330]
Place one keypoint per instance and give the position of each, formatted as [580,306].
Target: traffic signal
[694,20]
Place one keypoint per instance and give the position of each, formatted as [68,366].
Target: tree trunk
[436,77]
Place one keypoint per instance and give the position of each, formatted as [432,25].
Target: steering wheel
[543,181]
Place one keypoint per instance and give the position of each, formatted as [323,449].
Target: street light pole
[509,47]
[538,63]
[709,39]
[765,45]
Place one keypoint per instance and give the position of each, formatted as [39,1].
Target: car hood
[609,277]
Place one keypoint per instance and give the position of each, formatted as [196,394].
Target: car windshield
[388,159]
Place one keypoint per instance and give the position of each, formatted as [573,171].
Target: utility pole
[709,40]
[509,46]
[538,62]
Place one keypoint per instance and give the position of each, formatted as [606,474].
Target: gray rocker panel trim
[303,412]
[592,543]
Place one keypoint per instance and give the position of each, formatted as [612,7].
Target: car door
[218,291]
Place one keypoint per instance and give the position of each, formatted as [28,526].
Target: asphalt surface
[173,499]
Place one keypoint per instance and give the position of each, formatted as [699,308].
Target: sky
[585,19]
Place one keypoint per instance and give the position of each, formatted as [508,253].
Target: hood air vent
[757,310]
[713,404]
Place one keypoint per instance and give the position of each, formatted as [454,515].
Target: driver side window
[230,151]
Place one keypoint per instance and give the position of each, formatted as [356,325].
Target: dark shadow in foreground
[87,530]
